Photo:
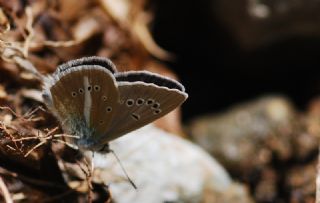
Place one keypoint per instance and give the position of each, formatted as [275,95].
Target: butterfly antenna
[92,162]
[125,172]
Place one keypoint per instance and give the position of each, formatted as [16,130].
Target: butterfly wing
[144,97]
[84,95]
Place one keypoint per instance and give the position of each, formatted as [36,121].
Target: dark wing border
[150,78]
[92,60]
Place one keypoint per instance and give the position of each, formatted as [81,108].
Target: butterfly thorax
[86,135]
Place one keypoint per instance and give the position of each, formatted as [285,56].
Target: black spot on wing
[148,77]
[92,60]
[135,116]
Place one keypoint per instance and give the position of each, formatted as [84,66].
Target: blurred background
[228,52]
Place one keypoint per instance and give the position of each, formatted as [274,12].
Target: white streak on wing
[87,100]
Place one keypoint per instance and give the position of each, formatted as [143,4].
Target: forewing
[88,93]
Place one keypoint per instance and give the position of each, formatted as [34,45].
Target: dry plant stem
[13,149]
[28,41]
[27,115]
[318,180]
[35,147]
[44,141]
[20,50]
[61,43]
[30,30]
[31,112]
[66,143]
[46,138]
[27,65]
[5,192]
[4,128]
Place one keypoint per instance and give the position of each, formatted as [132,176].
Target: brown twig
[4,128]
[46,138]
[35,147]
[30,30]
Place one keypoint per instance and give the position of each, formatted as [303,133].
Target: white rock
[165,168]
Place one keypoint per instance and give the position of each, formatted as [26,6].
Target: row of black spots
[155,106]
[109,108]
[141,101]
[96,88]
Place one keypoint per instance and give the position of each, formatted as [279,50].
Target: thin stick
[11,137]
[61,43]
[52,131]
[129,179]
[66,135]
[5,192]
[25,138]
[31,112]
[30,30]
[13,149]
[66,143]
[35,147]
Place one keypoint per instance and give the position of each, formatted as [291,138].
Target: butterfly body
[98,104]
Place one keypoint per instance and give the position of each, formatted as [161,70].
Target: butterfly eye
[81,90]
[97,88]
[140,101]
[74,94]
[150,101]
[157,111]
[130,102]
[104,98]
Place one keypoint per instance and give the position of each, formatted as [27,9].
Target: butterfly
[98,104]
